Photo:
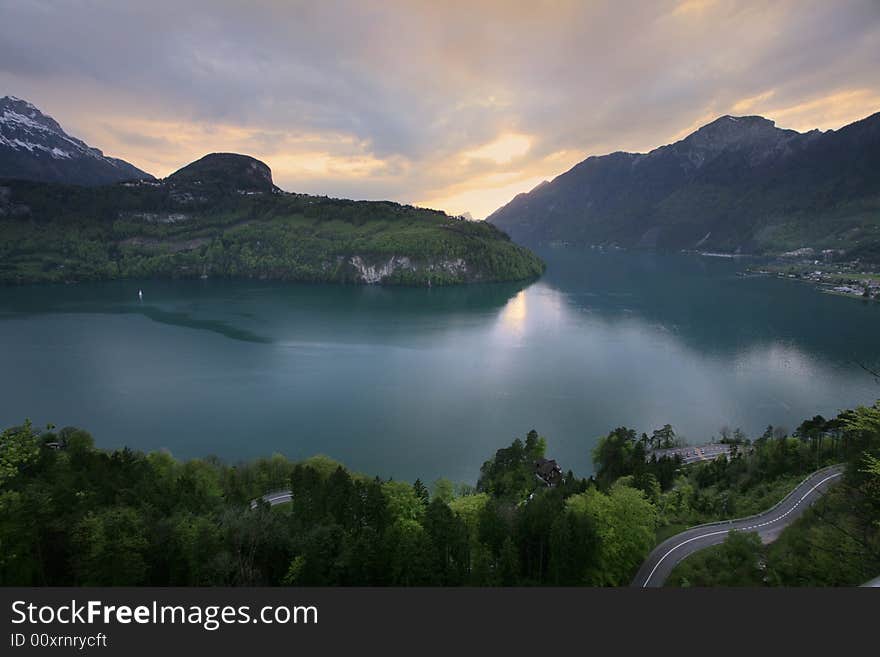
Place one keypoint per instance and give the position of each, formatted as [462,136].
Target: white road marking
[725,531]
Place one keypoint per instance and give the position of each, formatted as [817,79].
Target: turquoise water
[429,382]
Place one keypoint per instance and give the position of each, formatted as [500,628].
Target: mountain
[227,170]
[738,184]
[34,147]
[223,216]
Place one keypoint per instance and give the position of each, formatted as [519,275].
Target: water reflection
[710,306]
[513,315]
[266,311]
[646,339]
[411,382]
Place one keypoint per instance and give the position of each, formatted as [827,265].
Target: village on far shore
[851,278]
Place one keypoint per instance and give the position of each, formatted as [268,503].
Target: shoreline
[829,283]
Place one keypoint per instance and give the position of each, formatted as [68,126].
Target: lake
[407,382]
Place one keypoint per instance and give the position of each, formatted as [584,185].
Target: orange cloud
[691,7]
[827,112]
[747,104]
[482,194]
[457,105]
[502,150]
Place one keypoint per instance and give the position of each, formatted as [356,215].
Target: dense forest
[72,514]
[197,223]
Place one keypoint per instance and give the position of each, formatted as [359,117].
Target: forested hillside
[223,216]
[71,514]
[737,185]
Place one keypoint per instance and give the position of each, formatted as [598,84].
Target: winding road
[768,525]
[669,553]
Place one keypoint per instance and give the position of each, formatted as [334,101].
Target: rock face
[736,184]
[372,274]
[385,270]
[33,146]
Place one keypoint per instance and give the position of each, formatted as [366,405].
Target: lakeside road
[693,453]
[276,497]
[768,525]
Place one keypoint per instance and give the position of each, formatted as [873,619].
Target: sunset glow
[458,106]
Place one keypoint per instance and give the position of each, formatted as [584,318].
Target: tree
[573,549]
[258,545]
[18,449]
[624,522]
[374,512]
[322,553]
[508,564]
[198,487]
[448,535]
[510,475]
[766,436]
[664,437]
[403,501]
[341,502]
[408,549]
[493,526]
[738,561]
[444,490]
[421,491]
[110,548]
[613,455]
[468,508]
[186,548]
[648,483]
[307,488]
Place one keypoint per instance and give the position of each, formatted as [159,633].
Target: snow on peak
[24,127]
[14,100]
[11,116]
[28,136]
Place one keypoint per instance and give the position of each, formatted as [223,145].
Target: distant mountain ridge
[738,184]
[33,146]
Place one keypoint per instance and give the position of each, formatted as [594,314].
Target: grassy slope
[53,233]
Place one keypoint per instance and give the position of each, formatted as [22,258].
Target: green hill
[223,216]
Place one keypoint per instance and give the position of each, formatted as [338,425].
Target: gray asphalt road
[874,583]
[768,525]
[277,497]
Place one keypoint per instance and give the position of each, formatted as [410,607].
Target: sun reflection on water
[514,314]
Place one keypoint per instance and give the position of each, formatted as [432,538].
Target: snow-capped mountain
[33,146]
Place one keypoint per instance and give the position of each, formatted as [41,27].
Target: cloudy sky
[447,104]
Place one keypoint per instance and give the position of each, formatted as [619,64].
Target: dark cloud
[380,99]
